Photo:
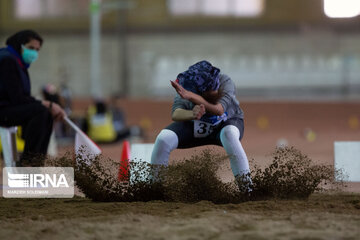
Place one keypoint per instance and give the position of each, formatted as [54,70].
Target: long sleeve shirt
[227,100]
[14,80]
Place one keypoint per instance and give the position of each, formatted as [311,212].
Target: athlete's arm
[185,115]
[216,109]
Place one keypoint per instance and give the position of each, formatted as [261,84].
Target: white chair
[8,142]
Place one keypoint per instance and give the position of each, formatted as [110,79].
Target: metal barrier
[8,142]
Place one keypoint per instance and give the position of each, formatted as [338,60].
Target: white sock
[166,141]
[229,137]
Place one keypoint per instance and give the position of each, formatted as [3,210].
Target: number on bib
[202,129]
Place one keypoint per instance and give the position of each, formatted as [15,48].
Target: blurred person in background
[64,90]
[119,119]
[66,97]
[106,122]
[17,106]
[205,111]
[50,93]
[99,123]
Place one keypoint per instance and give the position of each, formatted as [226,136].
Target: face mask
[29,55]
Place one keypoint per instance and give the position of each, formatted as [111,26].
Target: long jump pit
[310,127]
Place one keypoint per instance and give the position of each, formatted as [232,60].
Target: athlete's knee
[229,132]
[167,139]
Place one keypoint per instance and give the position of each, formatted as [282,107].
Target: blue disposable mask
[29,55]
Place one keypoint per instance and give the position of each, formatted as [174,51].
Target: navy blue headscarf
[200,77]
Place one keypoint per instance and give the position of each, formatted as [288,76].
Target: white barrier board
[8,143]
[140,152]
[347,157]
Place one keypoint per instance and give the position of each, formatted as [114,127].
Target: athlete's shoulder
[224,78]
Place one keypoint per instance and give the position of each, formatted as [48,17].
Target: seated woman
[17,106]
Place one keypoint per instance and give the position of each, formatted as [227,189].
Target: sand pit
[320,217]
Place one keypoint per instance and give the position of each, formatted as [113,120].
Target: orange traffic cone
[124,163]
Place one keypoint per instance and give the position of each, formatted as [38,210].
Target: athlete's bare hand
[198,111]
[185,94]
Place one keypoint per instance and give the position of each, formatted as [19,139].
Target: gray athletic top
[228,100]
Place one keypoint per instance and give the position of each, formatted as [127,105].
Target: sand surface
[321,217]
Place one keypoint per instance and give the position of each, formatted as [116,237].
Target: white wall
[67,58]
[254,61]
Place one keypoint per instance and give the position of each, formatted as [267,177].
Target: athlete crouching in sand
[205,111]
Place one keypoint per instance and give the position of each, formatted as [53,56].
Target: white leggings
[167,141]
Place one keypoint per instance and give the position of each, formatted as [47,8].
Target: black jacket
[14,80]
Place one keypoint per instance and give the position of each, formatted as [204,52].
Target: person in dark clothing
[17,106]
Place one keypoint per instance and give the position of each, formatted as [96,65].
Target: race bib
[202,129]
[206,125]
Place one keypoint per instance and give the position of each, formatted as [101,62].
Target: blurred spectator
[66,97]
[50,93]
[106,123]
[119,120]
[99,123]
